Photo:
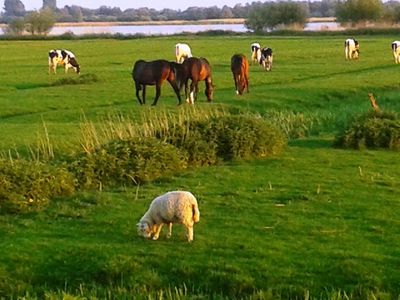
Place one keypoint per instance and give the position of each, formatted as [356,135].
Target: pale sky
[124,4]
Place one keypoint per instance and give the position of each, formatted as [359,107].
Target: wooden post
[374,105]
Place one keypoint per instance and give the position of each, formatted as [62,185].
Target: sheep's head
[144,229]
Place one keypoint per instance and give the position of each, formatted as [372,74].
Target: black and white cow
[351,49]
[255,52]
[266,58]
[63,58]
[396,51]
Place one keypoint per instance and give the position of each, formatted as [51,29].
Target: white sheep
[172,207]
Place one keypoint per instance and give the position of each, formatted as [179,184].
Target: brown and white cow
[396,51]
[351,49]
[62,58]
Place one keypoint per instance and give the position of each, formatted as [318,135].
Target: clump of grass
[81,79]
[26,185]
[299,125]
[128,162]
[376,129]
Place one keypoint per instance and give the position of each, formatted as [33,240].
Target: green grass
[316,222]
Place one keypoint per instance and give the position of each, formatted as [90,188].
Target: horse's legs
[235,79]
[158,93]
[138,88]
[193,85]
[176,90]
[144,94]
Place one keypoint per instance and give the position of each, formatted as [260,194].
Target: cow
[396,51]
[266,58]
[240,72]
[351,49]
[182,51]
[63,58]
[255,52]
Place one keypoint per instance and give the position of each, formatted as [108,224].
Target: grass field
[313,223]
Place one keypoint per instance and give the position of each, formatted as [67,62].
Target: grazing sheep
[172,207]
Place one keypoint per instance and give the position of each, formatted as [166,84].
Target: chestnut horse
[240,71]
[154,73]
[195,69]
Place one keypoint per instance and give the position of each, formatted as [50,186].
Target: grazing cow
[255,52]
[63,58]
[396,51]
[351,49]
[266,58]
[154,73]
[195,69]
[240,71]
[182,52]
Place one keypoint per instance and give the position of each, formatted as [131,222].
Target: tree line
[259,16]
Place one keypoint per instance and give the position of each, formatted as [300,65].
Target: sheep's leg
[169,230]
[157,230]
[190,233]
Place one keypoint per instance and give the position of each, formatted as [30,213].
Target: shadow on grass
[312,143]
[29,86]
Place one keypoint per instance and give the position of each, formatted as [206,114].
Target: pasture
[313,223]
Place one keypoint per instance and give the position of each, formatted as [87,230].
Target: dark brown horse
[195,69]
[154,73]
[240,71]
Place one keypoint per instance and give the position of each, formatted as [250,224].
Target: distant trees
[35,22]
[14,8]
[271,15]
[39,22]
[356,11]
[52,4]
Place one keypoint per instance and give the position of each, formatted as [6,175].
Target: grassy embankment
[315,221]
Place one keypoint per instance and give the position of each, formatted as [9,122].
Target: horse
[196,69]
[154,73]
[240,71]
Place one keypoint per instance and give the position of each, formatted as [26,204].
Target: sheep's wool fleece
[176,206]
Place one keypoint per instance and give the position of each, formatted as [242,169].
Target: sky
[124,4]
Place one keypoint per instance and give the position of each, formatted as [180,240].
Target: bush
[82,79]
[226,137]
[128,162]
[372,130]
[27,184]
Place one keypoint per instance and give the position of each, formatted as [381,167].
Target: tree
[271,15]
[356,11]
[14,8]
[15,27]
[52,4]
[40,22]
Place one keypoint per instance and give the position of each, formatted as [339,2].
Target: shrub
[226,137]
[128,162]
[28,184]
[372,130]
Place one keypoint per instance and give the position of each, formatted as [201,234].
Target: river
[168,29]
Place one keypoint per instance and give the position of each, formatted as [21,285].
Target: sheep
[172,207]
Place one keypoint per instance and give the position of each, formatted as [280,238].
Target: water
[146,29]
[172,29]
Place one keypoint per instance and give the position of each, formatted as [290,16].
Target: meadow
[315,222]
